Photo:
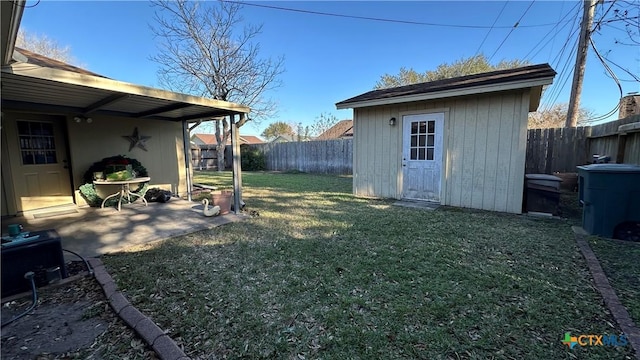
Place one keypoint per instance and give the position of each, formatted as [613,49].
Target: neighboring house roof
[251,139]
[205,139]
[283,138]
[210,139]
[342,129]
[534,76]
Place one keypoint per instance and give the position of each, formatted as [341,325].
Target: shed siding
[484,150]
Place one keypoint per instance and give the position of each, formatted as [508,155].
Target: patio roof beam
[163,109]
[207,116]
[64,110]
[104,102]
[194,125]
[24,105]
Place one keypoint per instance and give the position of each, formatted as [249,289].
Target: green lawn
[620,262]
[321,274]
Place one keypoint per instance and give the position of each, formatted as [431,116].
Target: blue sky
[329,59]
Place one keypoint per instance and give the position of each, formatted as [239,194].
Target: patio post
[187,155]
[237,170]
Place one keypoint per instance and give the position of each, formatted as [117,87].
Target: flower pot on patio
[223,200]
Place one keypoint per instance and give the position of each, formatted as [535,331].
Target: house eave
[11,16]
[472,90]
[118,87]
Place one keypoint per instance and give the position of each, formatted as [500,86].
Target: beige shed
[458,142]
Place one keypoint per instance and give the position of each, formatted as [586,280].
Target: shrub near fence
[324,157]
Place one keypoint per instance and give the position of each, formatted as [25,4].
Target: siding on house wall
[484,150]
[102,138]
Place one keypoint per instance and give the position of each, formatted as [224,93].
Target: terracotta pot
[223,200]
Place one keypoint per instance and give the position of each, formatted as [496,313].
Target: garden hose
[89,269]
[28,275]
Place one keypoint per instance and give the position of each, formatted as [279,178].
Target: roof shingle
[341,129]
[489,78]
[41,60]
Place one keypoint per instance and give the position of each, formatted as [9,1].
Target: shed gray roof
[524,75]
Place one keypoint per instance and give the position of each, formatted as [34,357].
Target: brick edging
[619,312]
[161,343]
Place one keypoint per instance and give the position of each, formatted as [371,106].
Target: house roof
[343,128]
[38,83]
[41,60]
[251,139]
[534,76]
[283,138]
[210,139]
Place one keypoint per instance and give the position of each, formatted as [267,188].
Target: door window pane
[429,153]
[37,143]
[423,127]
[422,146]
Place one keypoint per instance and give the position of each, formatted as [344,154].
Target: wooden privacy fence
[205,157]
[562,149]
[324,157]
[556,150]
[548,150]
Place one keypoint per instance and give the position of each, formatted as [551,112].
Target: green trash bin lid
[611,168]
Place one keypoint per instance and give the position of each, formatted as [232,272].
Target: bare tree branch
[204,51]
[43,45]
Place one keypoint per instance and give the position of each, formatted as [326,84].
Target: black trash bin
[610,196]
[542,193]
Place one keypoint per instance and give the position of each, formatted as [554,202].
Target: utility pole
[581,60]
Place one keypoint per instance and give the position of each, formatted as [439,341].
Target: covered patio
[93,232]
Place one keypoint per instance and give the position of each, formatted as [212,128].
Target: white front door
[422,156]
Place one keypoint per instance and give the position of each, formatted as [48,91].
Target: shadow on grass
[321,274]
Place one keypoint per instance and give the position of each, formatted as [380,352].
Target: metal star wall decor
[137,140]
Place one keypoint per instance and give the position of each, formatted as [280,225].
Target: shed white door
[422,156]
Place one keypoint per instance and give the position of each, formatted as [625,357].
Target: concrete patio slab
[93,231]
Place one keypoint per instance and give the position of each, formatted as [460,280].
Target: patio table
[125,189]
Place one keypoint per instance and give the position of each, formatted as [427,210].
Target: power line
[615,78]
[555,34]
[597,25]
[563,75]
[399,21]
[552,95]
[510,31]
[554,37]
[491,28]
[564,47]
[634,76]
